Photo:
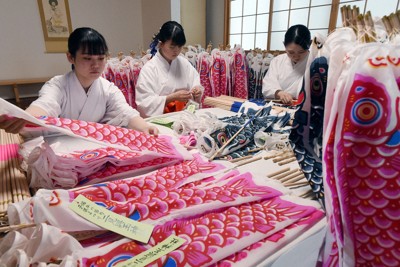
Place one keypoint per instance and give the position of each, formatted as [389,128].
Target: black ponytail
[170,30]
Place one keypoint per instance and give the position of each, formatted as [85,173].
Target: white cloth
[158,79]
[63,96]
[284,75]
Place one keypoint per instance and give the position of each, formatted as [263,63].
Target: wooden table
[15,82]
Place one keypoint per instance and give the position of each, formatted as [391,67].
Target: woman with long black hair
[168,80]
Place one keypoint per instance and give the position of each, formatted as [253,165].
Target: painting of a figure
[55,18]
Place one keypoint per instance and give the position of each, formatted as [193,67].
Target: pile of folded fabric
[89,152]
[225,217]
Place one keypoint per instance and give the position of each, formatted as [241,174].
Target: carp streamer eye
[222,137]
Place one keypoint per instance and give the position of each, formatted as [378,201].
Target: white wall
[126,24]
[154,14]
[176,10]
[215,22]
[193,20]
[22,50]
[119,21]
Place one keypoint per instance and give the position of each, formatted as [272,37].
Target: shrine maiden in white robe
[158,79]
[284,75]
[63,96]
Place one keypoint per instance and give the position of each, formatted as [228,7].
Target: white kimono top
[158,78]
[284,75]
[63,96]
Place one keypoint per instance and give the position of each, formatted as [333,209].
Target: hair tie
[153,47]
[154,43]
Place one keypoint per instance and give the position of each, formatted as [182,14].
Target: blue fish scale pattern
[306,136]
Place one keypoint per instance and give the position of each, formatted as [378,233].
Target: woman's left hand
[139,124]
[152,130]
[11,124]
[196,92]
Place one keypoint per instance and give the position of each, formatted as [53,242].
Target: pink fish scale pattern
[129,138]
[203,66]
[216,76]
[218,218]
[216,235]
[334,223]
[223,78]
[111,170]
[121,81]
[168,178]
[99,153]
[260,250]
[219,75]
[362,160]
[212,236]
[371,173]
[115,162]
[157,202]
[123,75]
[240,80]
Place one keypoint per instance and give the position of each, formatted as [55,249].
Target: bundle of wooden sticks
[290,177]
[14,186]
[233,103]
[363,25]
[223,101]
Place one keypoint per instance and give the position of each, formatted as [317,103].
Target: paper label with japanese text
[156,252]
[110,220]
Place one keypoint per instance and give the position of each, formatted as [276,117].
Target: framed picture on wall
[56,24]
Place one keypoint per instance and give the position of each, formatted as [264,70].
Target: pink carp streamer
[362,159]
[219,214]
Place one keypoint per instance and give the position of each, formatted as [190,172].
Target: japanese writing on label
[191,108]
[110,220]
[156,252]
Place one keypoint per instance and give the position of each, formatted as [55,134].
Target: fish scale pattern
[362,159]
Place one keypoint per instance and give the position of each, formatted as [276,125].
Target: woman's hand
[152,130]
[139,124]
[11,124]
[182,95]
[196,93]
[284,97]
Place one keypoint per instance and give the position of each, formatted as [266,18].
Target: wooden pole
[241,158]
[283,177]
[287,161]
[10,169]
[249,161]
[271,175]
[294,178]
[2,179]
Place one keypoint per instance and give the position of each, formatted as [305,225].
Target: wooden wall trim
[271,9]
[334,15]
[227,12]
[332,19]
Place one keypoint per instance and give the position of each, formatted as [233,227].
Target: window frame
[331,25]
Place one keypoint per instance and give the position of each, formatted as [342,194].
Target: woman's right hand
[284,97]
[180,95]
[11,124]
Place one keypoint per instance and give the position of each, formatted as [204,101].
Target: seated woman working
[284,78]
[168,80]
[82,94]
